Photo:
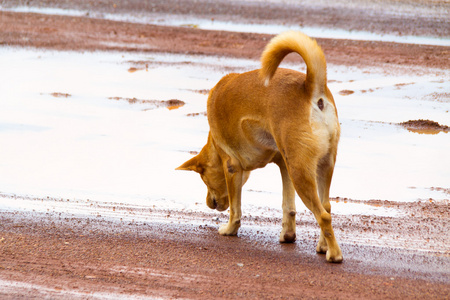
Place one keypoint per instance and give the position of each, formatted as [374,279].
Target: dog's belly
[255,159]
[248,144]
[256,155]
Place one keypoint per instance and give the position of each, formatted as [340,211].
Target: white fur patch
[323,123]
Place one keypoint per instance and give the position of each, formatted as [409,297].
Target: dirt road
[63,256]
[181,255]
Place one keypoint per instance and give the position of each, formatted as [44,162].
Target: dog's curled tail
[295,41]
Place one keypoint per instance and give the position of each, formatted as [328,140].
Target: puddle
[121,150]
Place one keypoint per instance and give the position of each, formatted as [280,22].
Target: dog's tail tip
[294,41]
[265,77]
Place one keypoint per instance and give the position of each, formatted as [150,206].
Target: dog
[274,115]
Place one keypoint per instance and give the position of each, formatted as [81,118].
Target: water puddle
[98,131]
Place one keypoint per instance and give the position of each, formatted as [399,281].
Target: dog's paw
[322,248]
[334,256]
[227,229]
[287,237]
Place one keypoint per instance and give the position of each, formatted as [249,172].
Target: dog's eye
[320,104]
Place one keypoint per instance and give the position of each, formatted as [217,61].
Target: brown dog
[274,115]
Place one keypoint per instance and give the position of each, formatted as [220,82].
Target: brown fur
[280,116]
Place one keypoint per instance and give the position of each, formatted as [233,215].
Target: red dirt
[170,104]
[77,257]
[62,256]
[424,126]
[80,33]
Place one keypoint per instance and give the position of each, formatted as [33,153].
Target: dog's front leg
[235,178]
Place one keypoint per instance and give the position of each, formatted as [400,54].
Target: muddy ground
[54,255]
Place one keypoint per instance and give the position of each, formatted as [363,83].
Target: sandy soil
[55,255]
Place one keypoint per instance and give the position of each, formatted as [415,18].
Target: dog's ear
[192,165]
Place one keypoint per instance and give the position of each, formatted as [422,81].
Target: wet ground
[90,204]
[182,256]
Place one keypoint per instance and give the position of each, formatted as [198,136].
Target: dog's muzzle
[219,204]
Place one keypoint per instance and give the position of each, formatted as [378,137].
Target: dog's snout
[220,204]
[211,201]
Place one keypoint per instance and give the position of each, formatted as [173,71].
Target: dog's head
[209,165]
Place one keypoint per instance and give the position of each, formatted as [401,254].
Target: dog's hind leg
[288,224]
[235,179]
[302,169]
[307,189]
[324,174]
